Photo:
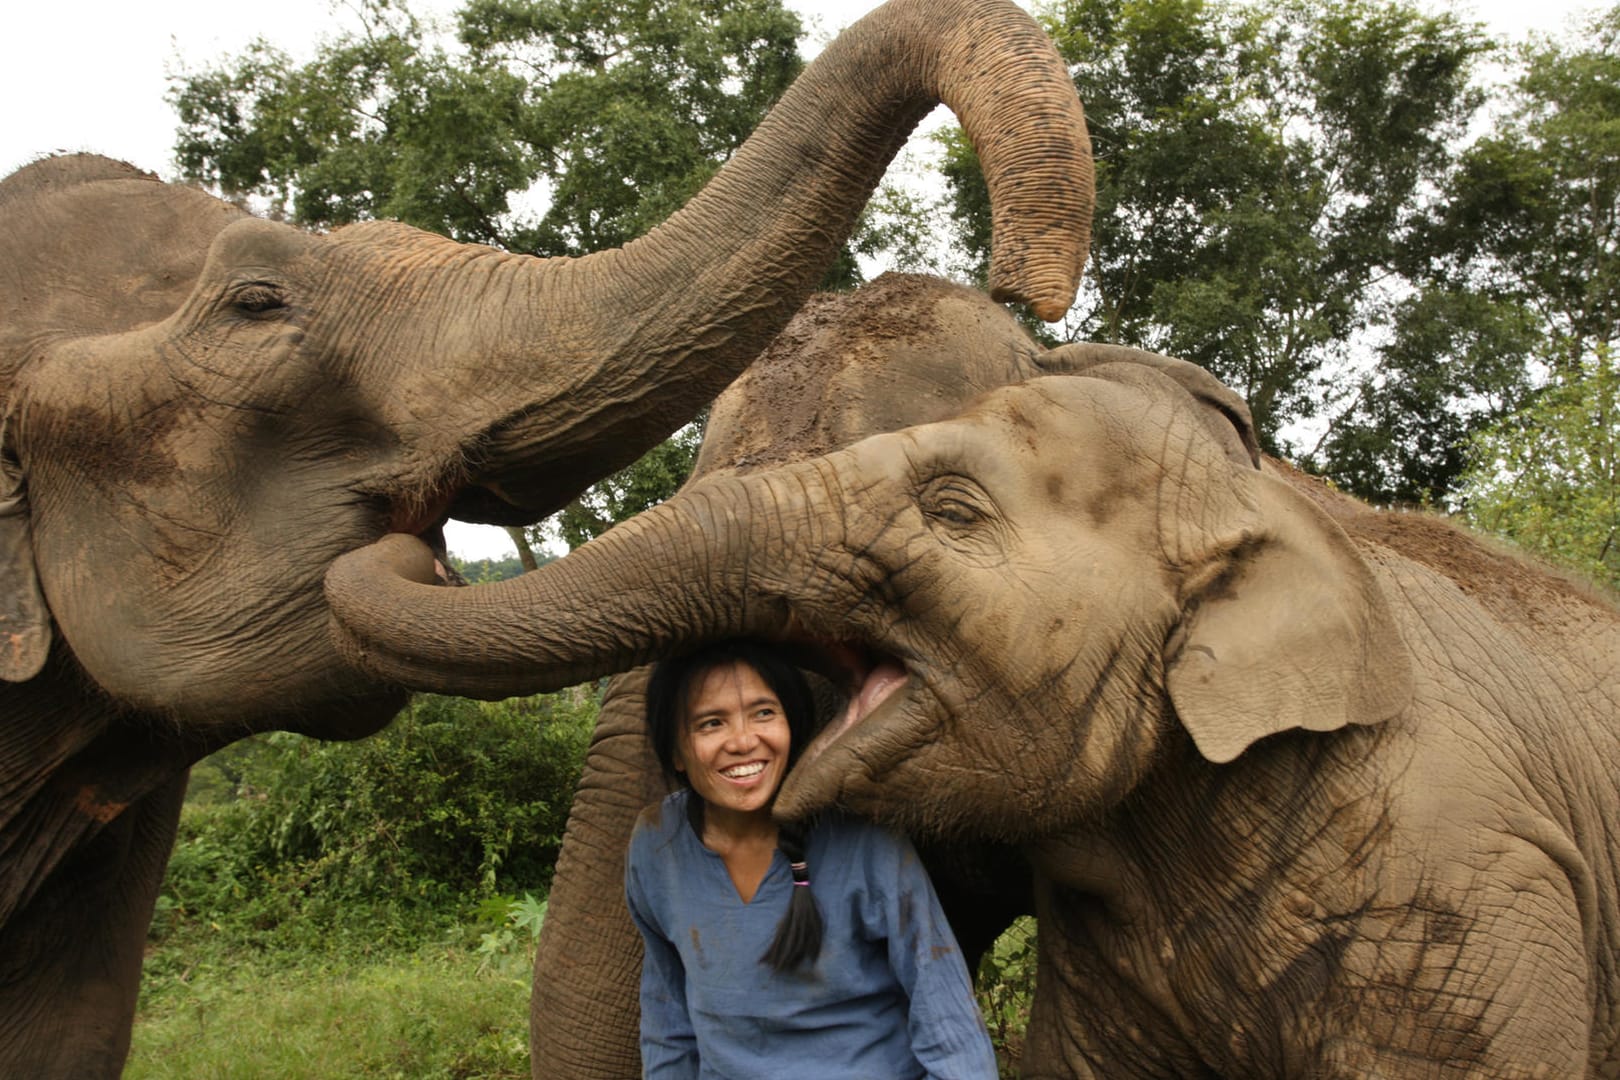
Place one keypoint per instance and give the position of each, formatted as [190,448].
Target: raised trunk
[634,341]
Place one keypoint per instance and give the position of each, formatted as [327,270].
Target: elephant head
[200,411]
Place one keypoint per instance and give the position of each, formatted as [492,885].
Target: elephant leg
[1088,1019]
[584,1020]
[70,960]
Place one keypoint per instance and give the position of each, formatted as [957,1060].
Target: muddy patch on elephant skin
[1503,580]
[810,392]
[109,450]
[906,349]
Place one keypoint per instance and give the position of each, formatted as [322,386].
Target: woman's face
[733,744]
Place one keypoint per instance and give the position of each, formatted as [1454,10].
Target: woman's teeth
[743,772]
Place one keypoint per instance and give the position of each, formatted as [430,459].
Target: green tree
[615,111]
[1261,171]
[1534,213]
[1456,361]
[627,492]
[1548,477]
[1520,266]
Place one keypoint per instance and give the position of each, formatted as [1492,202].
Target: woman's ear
[25,622]
[1284,627]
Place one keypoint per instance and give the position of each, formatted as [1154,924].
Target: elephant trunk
[588,960]
[685,571]
[647,334]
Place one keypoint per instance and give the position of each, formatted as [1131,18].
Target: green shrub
[1006,986]
[387,838]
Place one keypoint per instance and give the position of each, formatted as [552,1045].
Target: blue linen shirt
[889,998]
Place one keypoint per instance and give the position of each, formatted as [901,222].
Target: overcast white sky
[91,75]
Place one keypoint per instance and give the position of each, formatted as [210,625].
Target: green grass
[452,1011]
[449,1013]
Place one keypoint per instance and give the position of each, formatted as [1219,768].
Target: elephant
[201,410]
[1301,787]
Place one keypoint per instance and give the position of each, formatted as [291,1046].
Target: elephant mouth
[426,523]
[870,679]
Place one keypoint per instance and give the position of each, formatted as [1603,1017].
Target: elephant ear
[25,622]
[1223,412]
[1284,628]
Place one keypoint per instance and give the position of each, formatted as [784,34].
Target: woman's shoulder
[662,820]
[852,836]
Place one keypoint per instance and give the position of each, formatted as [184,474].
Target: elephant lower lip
[442,566]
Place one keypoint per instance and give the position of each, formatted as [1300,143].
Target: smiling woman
[733,747]
[742,975]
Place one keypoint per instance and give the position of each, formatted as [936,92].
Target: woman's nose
[741,738]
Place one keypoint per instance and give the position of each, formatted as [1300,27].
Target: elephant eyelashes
[258,297]
[953,502]
[964,518]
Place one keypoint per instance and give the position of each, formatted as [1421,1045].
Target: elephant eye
[963,517]
[954,511]
[954,502]
[257,297]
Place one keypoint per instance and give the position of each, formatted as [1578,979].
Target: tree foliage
[1520,272]
[1534,212]
[627,492]
[1261,172]
[1548,477]
[618,109]
[1537,211]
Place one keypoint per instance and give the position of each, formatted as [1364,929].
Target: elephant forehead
[1059,419]
[904,350]
[253,244]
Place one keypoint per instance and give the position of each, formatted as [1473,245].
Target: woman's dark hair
[798,935]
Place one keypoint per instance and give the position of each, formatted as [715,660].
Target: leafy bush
[1548,477]
[384,838]
[1006,986]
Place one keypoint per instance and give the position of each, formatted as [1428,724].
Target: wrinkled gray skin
[1304,789]
[200,411]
